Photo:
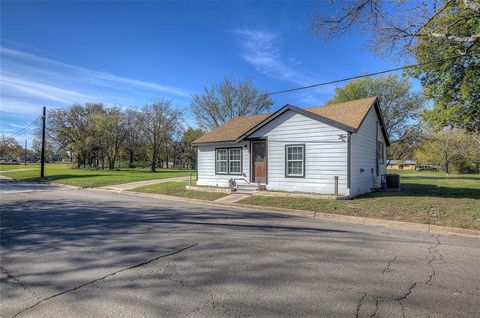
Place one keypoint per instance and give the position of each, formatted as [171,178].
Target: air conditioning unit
[393,181]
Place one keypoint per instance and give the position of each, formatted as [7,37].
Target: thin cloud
[262,50]
[101,78]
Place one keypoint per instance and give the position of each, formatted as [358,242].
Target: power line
[26,128]
[372,74]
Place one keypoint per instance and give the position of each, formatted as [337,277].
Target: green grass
[66,174]
[178,189]
[426,197]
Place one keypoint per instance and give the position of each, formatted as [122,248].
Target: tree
[226,101]
[446,147]
[76,128]
[133,137]
[8,146]
[405,149]
[159,120]
[189,155]
[111,131]
[427,31]
[400,106]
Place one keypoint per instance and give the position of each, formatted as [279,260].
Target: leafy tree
[226,101]
[159,120]
[189,155]
[110,125]
[427,30]
[8,145]
[400,106]
[134,137]
[446,147]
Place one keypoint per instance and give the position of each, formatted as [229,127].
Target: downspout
[349,160]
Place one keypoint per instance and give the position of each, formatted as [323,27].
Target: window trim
[303,161]
[227,173]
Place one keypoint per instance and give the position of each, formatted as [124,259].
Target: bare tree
[226,101]
[398,24]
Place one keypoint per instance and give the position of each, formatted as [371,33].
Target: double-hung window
[221,161]
[295,160]
[235,160]
[228,161]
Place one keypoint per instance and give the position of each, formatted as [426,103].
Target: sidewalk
[14,170]
[232,198]
[133,185]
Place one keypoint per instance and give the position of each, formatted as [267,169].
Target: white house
[299,150]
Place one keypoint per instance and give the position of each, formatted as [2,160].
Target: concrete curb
[400,225]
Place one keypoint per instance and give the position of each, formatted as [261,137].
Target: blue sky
[55,54]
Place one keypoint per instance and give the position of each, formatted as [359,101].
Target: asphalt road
[94,253]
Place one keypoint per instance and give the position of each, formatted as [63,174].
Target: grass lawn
[178,189]
[426,197]
[66,174]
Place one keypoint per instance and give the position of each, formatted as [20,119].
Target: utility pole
[42,159]
[25,151]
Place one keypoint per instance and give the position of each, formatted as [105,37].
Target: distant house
[402,165]
[409,165]
[299,150]
[394,164]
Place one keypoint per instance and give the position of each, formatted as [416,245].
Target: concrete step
[249,188]
[245,191]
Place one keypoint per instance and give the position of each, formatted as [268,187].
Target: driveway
[96,253]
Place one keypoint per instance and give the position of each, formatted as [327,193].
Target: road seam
[92,282]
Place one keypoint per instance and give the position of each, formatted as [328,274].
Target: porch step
[249,188]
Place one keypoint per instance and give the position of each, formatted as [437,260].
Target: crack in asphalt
[399,300]
[104,277]
[14,279]
[359,305]
[377,301]
[387,269]
[432,250]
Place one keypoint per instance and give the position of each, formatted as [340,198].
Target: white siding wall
[206,165]
[364,154]
[325,154]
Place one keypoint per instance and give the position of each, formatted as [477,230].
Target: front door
[259,161]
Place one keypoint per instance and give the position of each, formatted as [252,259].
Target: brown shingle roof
[349,113]
[232,129]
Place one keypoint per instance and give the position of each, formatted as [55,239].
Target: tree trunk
[130,160]
[154,159]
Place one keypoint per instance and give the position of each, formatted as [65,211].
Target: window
[381,152]
[228,161]
[235,161]
[222,160]
[295,160]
